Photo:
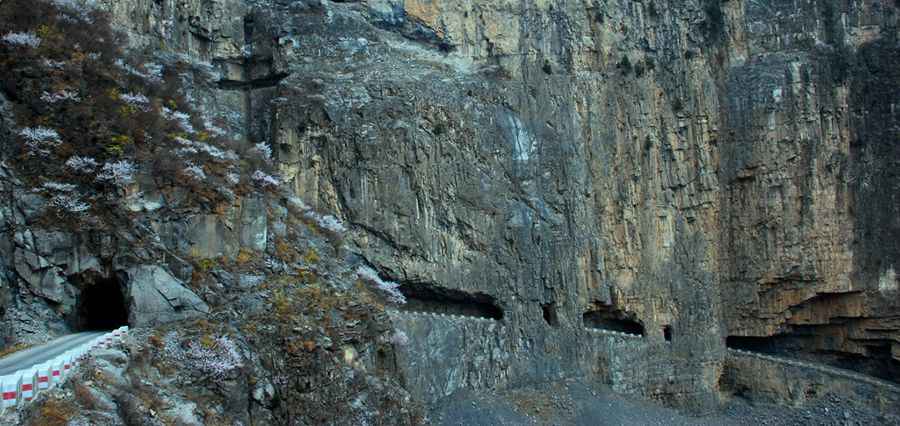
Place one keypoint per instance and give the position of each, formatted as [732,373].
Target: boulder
[157,297]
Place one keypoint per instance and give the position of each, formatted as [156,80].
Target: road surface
[36,355]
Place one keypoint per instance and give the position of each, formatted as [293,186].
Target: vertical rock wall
[717,168]
[808,180]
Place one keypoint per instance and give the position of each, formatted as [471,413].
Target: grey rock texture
[703,169]
[778,379]
[157,297]
[799,212]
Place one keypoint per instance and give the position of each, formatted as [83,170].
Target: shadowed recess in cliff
[750,343]
[604,317]
[799,344]
[422,297]
[101,305]
[270,80]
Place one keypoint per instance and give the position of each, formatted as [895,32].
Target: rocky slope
[701,173]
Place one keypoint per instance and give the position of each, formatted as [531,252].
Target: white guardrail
[24,385]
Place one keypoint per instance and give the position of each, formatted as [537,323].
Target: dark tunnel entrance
[101,305]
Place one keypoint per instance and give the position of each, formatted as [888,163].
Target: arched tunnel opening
[606,318]
[101,305]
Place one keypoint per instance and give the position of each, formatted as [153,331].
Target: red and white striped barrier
[56,371]
[24,385]
[43,376]
[67,362]
[26,389]
[9,385]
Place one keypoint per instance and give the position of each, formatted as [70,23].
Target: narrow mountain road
[36,355]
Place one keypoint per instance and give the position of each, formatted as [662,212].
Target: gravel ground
[826,411]
[574,403]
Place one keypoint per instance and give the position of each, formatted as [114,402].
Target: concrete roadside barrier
[26,386]
[56,369]
[9,386]
[67,359]
[43,376]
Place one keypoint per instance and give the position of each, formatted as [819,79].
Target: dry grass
[311,256]
[283,306]
[149,398]
[53,412]
[307,276]
[102,123]
[285,251]
[245,256]
[155,341]
[13,349]
[84,397]
[204,265]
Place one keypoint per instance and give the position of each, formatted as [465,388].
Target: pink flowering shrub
[40,140]
[194,171]
[217,357]
[119,173]
[263,151]
[136,100]
[28,39]
[65,198]
[80,164]
[60,96]
[91,113]
[389,288]
[264,179]
[69,203]
[183,119]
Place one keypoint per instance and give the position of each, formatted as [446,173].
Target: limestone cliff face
[808,223]
[724,169]
[698,169]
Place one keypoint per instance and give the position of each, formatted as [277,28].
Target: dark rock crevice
[549,313]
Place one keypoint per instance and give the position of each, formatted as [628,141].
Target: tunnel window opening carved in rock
[604,317]
[799,344]
[667,333]
[750,343]
[549,312]
[423,297]
[101,304]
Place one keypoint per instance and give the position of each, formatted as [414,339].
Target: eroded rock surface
[709,173]
[157,297]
